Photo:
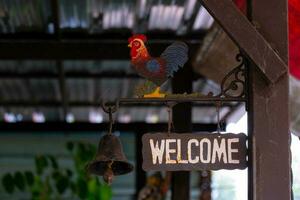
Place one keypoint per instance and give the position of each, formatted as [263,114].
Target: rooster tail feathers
[176,55]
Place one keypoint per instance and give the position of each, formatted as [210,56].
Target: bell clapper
[108,175]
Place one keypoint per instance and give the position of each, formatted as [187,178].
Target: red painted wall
[294,34]
[241,4]
[294,38]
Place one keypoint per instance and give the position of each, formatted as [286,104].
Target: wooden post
[268,110]
[182,119]
[205,185]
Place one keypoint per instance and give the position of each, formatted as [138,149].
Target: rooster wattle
[157,70]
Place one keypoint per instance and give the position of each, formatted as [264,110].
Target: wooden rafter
[96,49]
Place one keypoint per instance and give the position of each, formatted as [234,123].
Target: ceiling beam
[29,104]
[247,37]
[69,75]
[87,49]
[25,127]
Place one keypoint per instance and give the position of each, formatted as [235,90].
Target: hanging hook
[110,109]
[114,106]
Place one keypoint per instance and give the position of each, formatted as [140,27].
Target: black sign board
[197,151]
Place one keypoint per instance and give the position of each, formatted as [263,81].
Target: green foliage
[70,146]
[53,162]
[51,181]
[40,164]
[29,178]
[19,181]
[8,183]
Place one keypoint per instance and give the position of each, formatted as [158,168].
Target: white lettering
[230,150]
[218,151]
[195,151]
[157,152]
[169,151]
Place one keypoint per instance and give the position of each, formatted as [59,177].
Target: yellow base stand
[155,94]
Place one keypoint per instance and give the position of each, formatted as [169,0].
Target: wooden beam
[269,111]
[247,37]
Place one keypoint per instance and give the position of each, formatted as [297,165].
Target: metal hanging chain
[170,116]
[110,109]
[111,121]
[170,119]
[218,106]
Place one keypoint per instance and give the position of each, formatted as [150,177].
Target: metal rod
[180,100]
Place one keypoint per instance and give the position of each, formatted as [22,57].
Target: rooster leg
[155,94]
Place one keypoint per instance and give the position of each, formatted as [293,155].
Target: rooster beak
[129,45]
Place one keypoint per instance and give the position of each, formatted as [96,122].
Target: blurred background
[59,59]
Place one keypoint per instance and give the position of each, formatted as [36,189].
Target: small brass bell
[110,159]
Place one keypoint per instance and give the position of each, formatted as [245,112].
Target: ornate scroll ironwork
[234,83]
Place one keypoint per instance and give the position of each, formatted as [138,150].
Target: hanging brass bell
[110,159]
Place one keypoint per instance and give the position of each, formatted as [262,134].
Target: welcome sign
[197,151]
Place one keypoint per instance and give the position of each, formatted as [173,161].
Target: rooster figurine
[157,70]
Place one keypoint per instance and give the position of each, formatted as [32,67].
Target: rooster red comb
[138,36]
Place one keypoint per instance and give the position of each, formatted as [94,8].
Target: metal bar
[29,127]
[181,99]
[248,38]
[269,110]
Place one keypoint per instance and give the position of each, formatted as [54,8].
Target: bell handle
[110,109]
